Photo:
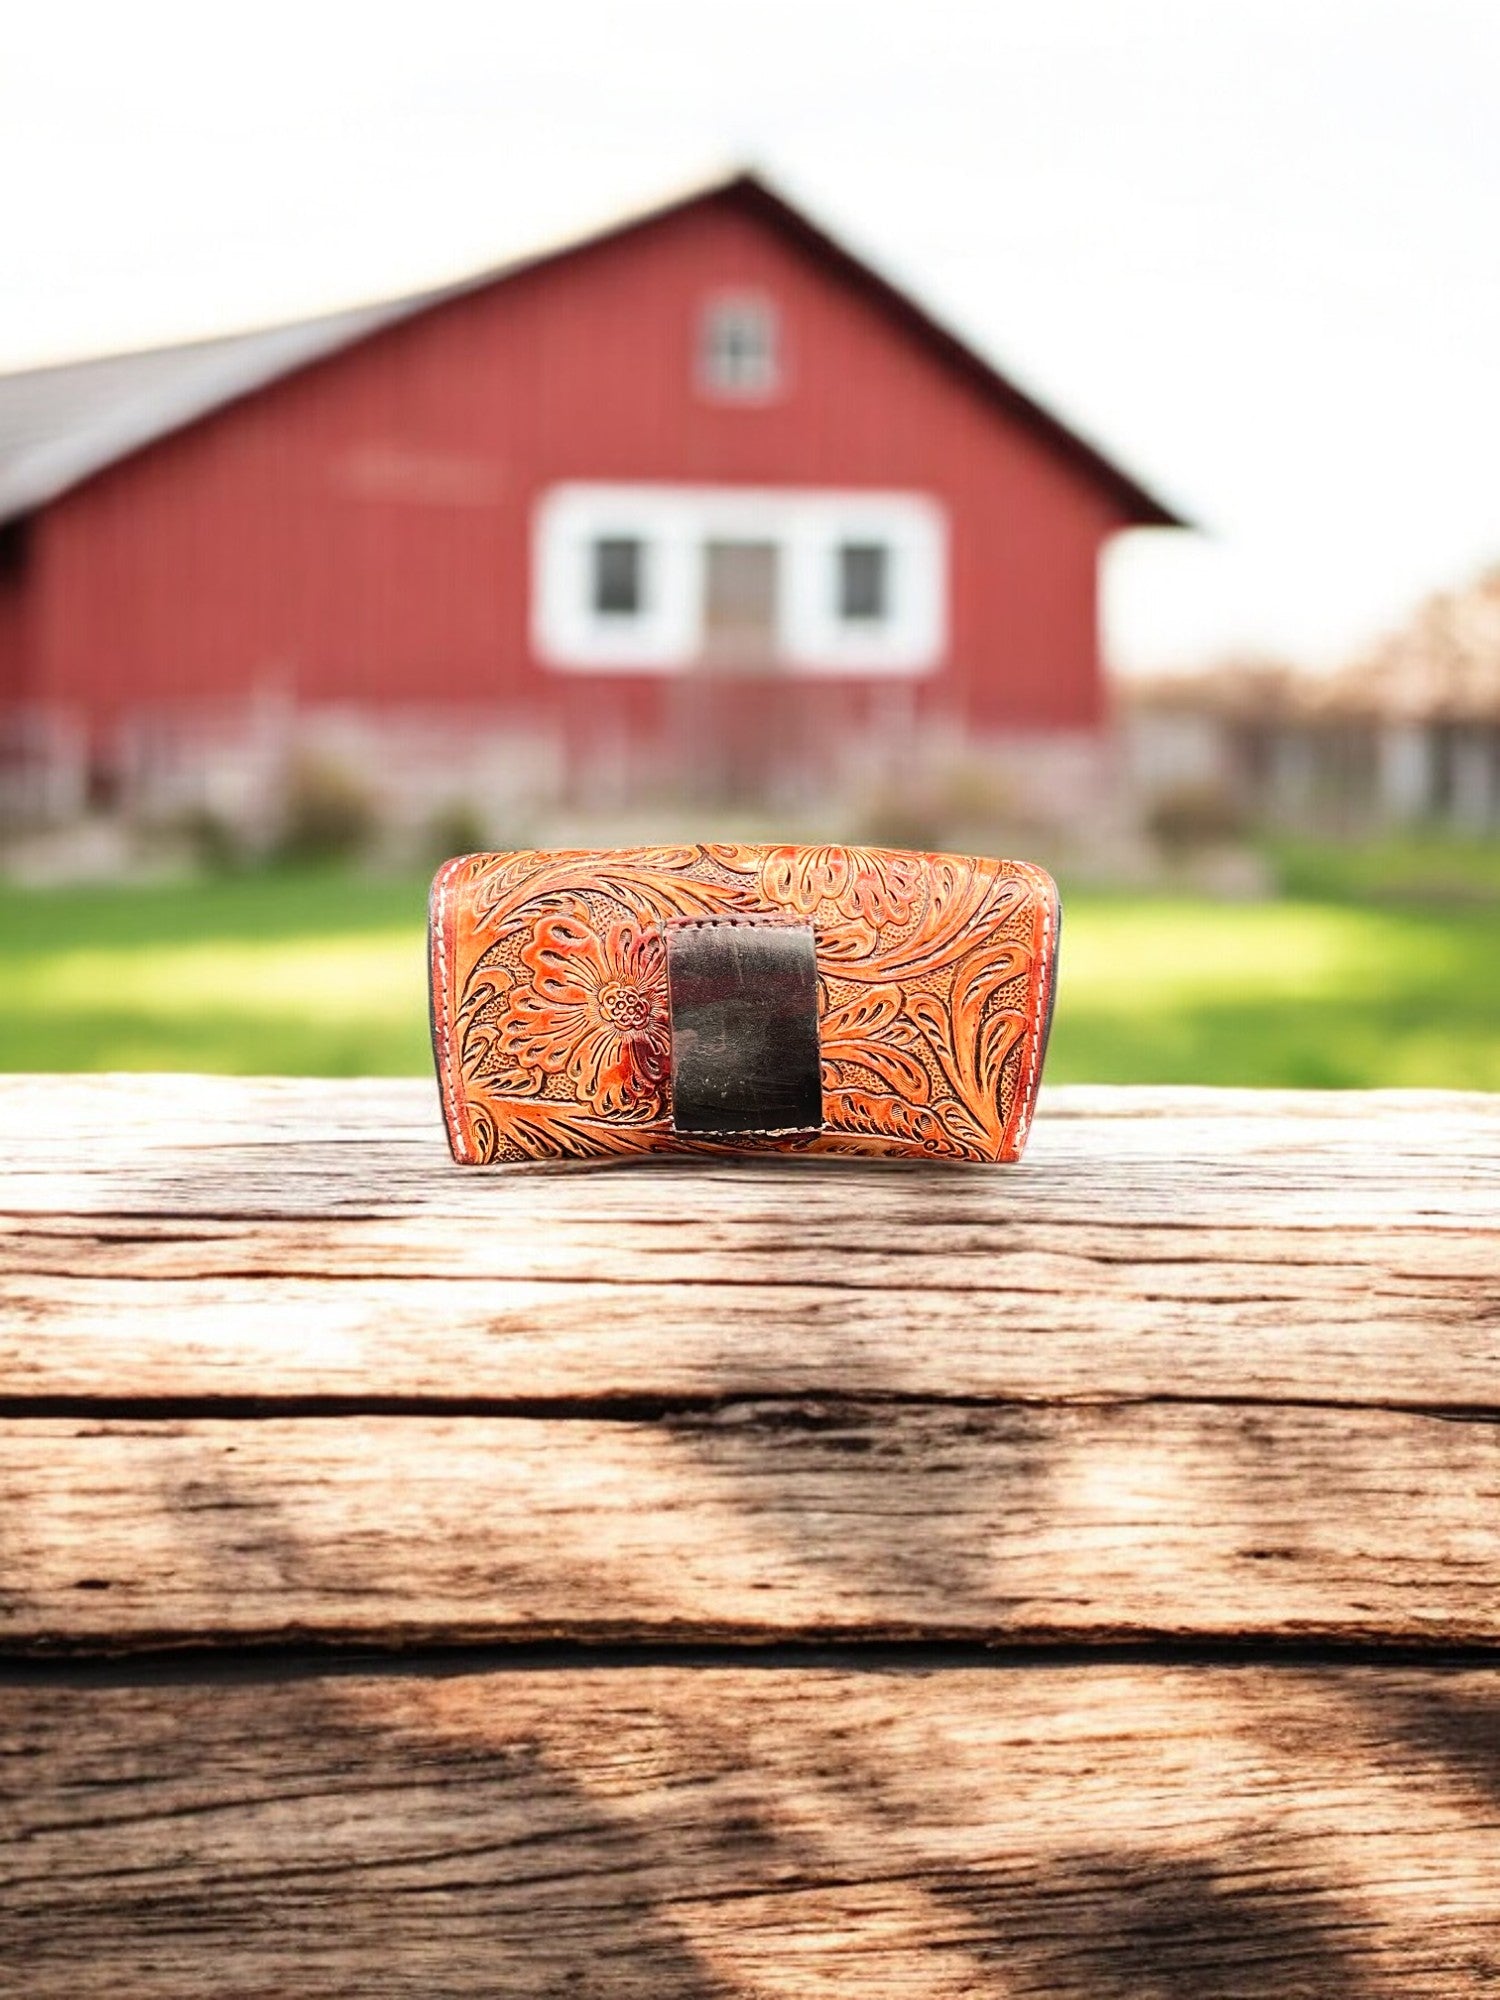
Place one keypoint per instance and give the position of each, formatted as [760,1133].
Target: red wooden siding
[361,529]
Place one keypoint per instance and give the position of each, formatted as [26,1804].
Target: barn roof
[58,425]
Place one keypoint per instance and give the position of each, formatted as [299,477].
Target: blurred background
[1070,432]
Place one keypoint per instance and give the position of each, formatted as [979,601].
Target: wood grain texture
[1121,1833]
[757,1521]
[202,1237]
[184,1145]
[1216,1369]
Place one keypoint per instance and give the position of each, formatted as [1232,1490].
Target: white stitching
[1034,1024]
[770,920]
[1028,1091]
[755,1132]
[446,1026]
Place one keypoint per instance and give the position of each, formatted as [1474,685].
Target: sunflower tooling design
[550,1001]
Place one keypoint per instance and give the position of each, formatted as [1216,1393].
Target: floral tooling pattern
[595,1010]
[552,1026]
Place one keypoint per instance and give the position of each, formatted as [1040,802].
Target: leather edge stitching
[457,1132]
[1045,891]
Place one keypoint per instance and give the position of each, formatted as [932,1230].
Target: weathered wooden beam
[290,1241]
[234,1148]
[668,1834]
[755,1520]
[1214,1321]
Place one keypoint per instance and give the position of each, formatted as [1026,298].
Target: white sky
[1250,246]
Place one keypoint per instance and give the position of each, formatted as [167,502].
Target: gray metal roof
[57,425]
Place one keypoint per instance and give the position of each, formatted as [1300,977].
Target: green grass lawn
[1353,980]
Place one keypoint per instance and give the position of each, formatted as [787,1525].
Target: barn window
[650,577]
[738,357]
[617,576]
[864,581]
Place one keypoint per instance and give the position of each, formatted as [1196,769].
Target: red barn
[702,487]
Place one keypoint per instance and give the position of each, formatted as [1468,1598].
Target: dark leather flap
[744,1002]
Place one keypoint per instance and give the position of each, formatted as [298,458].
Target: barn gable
[61,424]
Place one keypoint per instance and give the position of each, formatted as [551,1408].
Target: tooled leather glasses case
[729,998]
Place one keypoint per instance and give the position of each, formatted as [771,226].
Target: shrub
[327,813]
[1188,817]
[213,841]
[457,827]
[936,808]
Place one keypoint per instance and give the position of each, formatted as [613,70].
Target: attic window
[738,357]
